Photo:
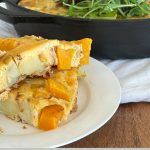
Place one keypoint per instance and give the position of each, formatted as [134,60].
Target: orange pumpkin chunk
[86,46]
[50,117]
[57,89]
[71,77]
[7,44]
[64,58]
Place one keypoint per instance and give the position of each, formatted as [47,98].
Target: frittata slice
[34,56]
[42,103]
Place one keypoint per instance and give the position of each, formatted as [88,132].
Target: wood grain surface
[129,127]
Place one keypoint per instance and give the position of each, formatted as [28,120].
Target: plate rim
[101,124]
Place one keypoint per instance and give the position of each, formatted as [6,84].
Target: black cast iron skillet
[111,38]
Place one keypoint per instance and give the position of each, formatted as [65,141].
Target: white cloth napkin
[134,75]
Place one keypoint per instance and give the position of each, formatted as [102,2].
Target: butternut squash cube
[7,44]
[50,117]
[65,58]
[57,89]
[71,77]
[86,46]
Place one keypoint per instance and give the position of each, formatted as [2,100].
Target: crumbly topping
[4,95]
[2,53]
[1,131]
[24,127]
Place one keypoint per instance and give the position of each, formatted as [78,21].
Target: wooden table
[129,127]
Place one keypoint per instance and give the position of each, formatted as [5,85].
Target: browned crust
[75,107]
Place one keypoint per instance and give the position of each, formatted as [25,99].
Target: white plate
[98,99]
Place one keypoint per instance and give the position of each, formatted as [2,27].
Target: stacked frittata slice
[39,79]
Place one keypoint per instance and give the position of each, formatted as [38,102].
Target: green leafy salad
[92,9]
[107,9]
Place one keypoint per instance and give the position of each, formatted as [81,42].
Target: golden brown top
[45,6]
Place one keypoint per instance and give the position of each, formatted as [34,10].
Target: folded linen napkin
[134,75]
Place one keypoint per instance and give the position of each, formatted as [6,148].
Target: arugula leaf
[107,9]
